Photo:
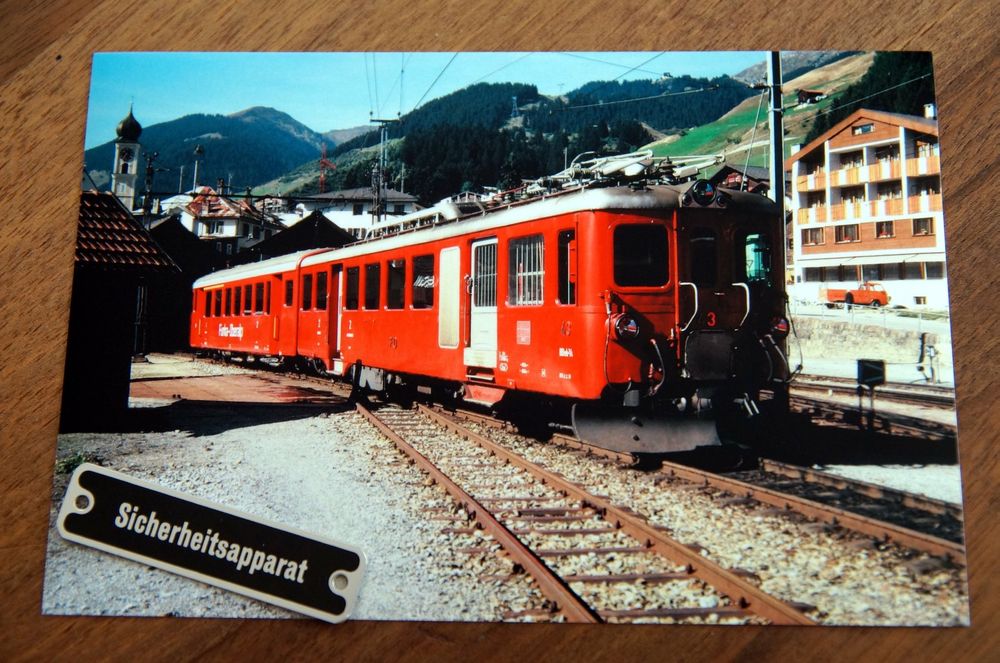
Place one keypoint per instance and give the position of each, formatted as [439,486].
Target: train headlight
[626,326]
[779,327]
[703,192]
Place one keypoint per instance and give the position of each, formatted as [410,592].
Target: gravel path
[324,473]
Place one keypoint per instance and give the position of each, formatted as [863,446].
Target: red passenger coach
[651,314]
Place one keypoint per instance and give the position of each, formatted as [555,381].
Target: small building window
[422,292]
[397,209]
[526,271]
[923,226]
[863,129]
[567,267]
[934,270]
[871,272]
[847,233]
[358,209]
[396,284]
[307,292]
[289,292]
[910,271]
[373,277]
[321,290]
[815,274]
[812,236]
[884,230]
[351,294]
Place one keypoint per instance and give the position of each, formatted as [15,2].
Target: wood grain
[44,71]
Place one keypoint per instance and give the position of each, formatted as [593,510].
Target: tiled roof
[108,236]
[207,204]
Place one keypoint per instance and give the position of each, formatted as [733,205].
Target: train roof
[263,268]
[655,197]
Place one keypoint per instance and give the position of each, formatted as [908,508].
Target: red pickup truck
[866,294]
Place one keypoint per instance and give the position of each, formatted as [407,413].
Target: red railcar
[651,312]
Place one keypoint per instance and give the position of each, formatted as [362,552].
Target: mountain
[339,136]
[245,148]
[793,65]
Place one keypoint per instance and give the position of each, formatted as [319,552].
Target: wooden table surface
[44,72]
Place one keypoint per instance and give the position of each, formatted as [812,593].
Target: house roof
[108,236]
[912,122]
[207,204]
[759,173]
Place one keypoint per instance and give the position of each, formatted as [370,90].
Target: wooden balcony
[930,202]
[885,170]
[929,165]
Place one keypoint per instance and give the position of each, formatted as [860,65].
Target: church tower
[126,168]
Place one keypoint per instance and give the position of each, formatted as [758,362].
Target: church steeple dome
[129,128]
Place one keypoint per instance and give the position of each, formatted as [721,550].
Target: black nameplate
[211,543]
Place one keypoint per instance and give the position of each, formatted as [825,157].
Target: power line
[874,94]
[453,56]
[368,82]
[496,71]
[613,64]
[622,75]
[655,96]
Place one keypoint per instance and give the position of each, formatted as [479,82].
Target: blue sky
[328,91]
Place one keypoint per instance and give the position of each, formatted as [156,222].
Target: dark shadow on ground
[211,417]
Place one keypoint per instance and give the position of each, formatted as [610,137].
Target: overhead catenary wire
[499,69]
[634,99]
[613,64]
[434,82]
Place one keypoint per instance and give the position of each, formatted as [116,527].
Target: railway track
[595,561]
[927,395]
[886,515]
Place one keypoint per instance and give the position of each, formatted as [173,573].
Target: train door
[333,312]
[482,350]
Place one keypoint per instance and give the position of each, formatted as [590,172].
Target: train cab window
[526,270]
[703,252]
[396,284]
[237,304]
[229,301]
[307,292]
[218,304]
[640,253]
[247,301]
[422,292]
[351,296]
[567,267]
[753,256]
[321,290]
[258,298]
[373,277]
[289,292]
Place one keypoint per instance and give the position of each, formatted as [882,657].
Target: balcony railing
[929,165]
[930,202]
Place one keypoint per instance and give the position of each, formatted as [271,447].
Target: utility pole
[379,193]
[776,159]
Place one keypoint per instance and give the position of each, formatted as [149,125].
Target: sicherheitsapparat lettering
[247,559]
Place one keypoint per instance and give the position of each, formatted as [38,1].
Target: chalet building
[805,96]
[757,179]
[119,270]
[228,225]
[351,209]
[866,206]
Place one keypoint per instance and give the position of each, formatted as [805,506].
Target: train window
[321,290]
[307,292]
[704,253]
[258,298]
[640,255]
[567,267]
[218,304]
[351,296]
[756,255]
[422,292]
[247,301]
[373,275]
[237,304]
[396,283]
[267,298]
[289,292]
[526,270]
[229,301]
